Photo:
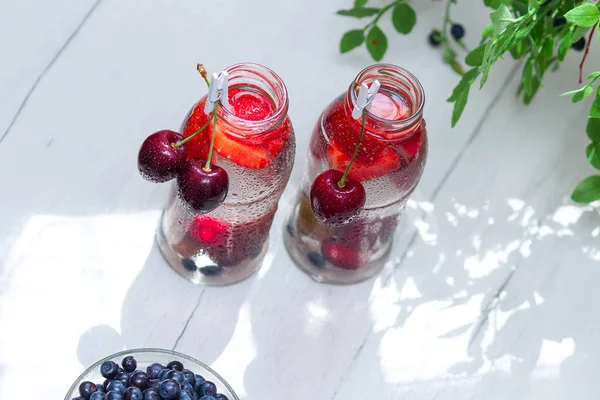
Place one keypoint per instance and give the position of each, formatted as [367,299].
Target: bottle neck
[397,109]
[260,84]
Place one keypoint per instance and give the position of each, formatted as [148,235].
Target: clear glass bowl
[145,357]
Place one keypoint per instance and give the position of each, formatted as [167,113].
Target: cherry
[158,159]
[334,204]
[204,189]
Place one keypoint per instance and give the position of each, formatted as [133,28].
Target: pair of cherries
[164,156]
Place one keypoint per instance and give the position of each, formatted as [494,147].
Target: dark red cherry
[334,205]
[158,160]
[204,190]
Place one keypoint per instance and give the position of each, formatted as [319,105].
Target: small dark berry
[153,370]
[176,375]
[86,389]
[198,382]
[316,259]
[121,370]
[163,374]
[579,45]
[176,365]
[153,383]
[78,398]
[100,387]
[113,395]
[109,369]
[123,377]
[98,396]
[457,31]
[129,364]
[221,396]
[207,397]
[133,393]
[435,38]
[211,270]
[139,379]
[189,376]
[207,388]
[187,386]
[169,389]
[185,395]
[151,394]
[116,386]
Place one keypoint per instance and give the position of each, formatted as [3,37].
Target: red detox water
[255,144]
[389,164]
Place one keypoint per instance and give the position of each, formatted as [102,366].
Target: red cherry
[344,255]
[204,190]
[158,160]
[334,205]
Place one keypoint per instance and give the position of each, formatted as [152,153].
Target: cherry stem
[212,139]
[342,181]
[193,135]
[587,50]
[204,73]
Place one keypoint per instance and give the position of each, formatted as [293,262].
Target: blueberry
[457,31]
[98,396]
[211,270]
[129,364]
[559,21]
[100,387]
[316,259]
[176,365]
[109,369]
[154,369]
[176,375]
[198,381]
[290,229]
[121,370]
[435,38]
[185,395]
[133,393]
[113,395]
[163,374]
[116,386]
[221,397]
[579,45]
[169,389]
[189,264]
[207,397]
[151,394]
[153,383]
[139,379]
[78,398]
[189,376]
[186,386]
[86,389]
[207,388]
[123,377]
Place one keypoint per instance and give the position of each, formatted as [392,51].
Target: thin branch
[587,50]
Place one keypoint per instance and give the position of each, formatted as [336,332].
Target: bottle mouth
[257,78]
[397,83]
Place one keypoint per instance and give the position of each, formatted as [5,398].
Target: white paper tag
[218,90]
[365,98]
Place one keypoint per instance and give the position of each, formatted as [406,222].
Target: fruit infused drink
[254,143]
[388,164]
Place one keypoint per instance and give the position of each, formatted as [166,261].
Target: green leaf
[359,12]
[460,94]
[587,191]
[475,57]
[548,48]
[565,45]
[585,15]
[593,76]
[593,155]
[487,32]
[528,76]
[593,129]
[404,18]
[360,3]
[351,40]
[376,43]
[583,93]
[535,85]
[595,110]
[502,18]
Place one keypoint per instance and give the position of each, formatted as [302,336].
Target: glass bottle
[255,144]
[389,165]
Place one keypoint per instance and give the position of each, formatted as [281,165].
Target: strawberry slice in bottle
[384,161]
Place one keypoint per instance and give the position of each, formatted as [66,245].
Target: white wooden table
[492,294]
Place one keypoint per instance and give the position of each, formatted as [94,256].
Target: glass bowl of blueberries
[150,374]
